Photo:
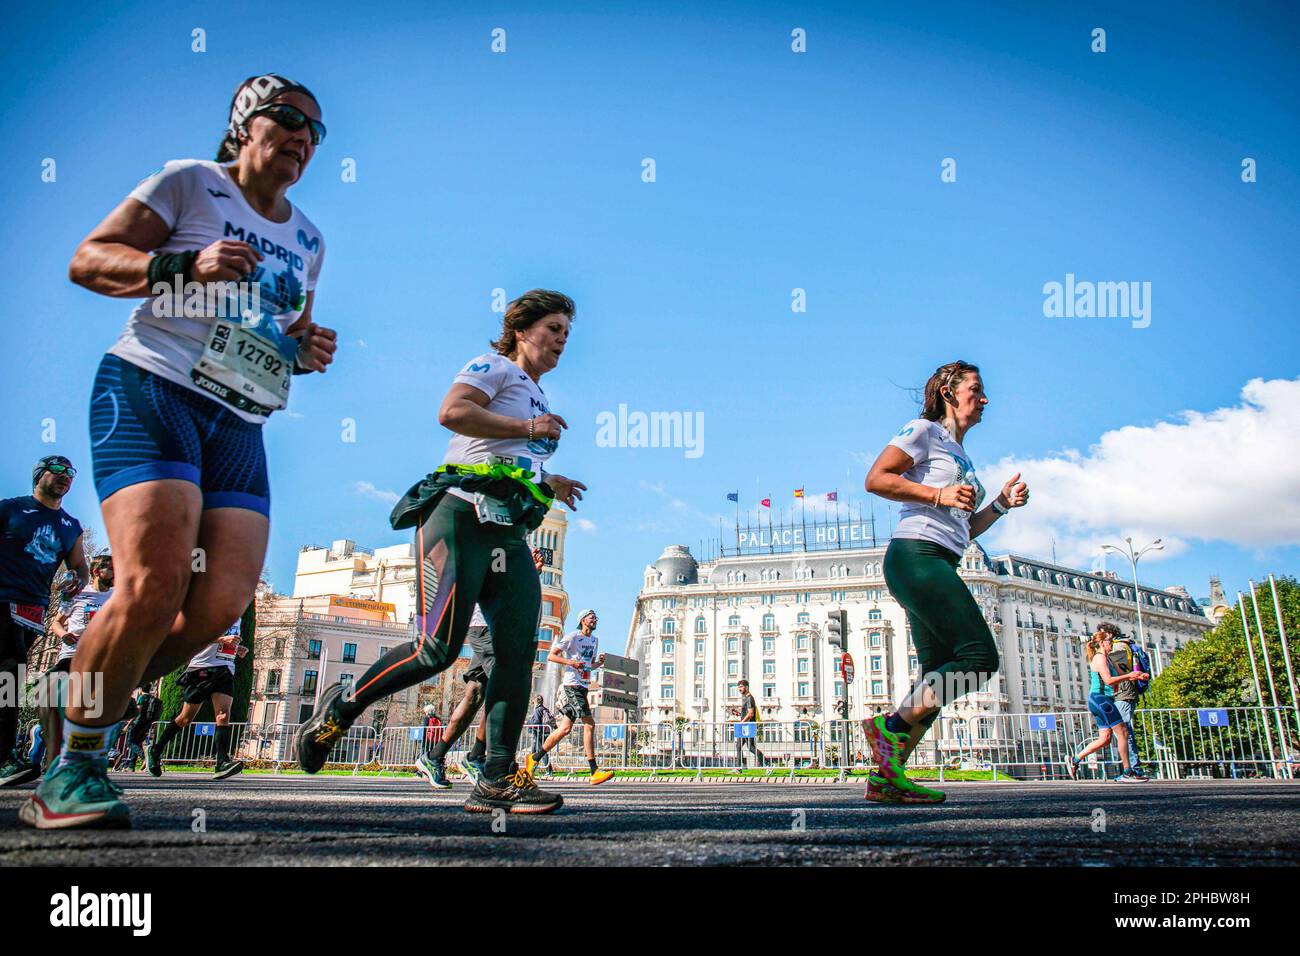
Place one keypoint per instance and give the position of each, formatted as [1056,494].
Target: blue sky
[774,171]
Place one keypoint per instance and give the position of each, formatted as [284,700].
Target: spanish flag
[798,492]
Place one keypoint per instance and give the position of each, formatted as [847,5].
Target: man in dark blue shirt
[36,536]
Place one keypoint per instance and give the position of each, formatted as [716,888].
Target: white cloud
[1231,475]
[585,524]
[367,490]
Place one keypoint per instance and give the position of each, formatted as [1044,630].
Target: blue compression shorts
[145,428]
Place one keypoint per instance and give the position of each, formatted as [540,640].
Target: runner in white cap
[577,651]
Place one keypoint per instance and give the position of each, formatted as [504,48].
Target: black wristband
[298,369]
[165,267]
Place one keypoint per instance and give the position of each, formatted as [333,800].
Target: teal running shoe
[473,768]
[77,793]
[434,770]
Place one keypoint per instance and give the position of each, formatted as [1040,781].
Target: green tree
[1214,671]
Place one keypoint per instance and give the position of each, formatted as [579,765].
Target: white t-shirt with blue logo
[579,647]
[513,393]
[938,461]
[201,204]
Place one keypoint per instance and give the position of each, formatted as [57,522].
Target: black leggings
[954,647]
[14,640]
[471,562]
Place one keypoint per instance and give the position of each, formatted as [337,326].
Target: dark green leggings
[472,563]
[954,648]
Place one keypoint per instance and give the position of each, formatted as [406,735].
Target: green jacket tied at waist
[526,502]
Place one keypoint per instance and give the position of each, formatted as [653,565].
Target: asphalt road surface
[293,820]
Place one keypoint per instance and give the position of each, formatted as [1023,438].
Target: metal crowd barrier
[1233,742]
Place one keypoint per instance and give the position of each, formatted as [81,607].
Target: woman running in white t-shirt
[926,468]
[225,269]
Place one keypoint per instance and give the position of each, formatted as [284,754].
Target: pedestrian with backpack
[1127,656]
[1101,703]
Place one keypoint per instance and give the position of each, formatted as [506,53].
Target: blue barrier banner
[746,730]
[1042,721]
[1212,717]
[205,730]
[417,733]
[615,732]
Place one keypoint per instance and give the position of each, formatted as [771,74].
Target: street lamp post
[1133,558]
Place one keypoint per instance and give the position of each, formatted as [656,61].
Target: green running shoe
[77,793]
[880,790]
[887,748]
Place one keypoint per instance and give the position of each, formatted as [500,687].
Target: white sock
[82,742]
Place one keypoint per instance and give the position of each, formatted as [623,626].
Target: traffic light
[842,708]
[837,629]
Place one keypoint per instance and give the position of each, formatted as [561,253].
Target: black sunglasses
[292,119]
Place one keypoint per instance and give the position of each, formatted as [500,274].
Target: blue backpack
[1141,662]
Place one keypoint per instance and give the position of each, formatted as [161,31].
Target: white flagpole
[1268,669]
[1259,694]
[1286,653]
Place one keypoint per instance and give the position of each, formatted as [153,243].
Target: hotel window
[876,663]
[667,647]
[699,691]
[769,622]
[313,647]
[801,617]
[733,645]
[666,692]
[803,688]
[699,668]
[803,665]
[309,682]
[666,669]
[769,645]
[699,648]
[875,638]
[346,679]
[767,599]
[911,663]
[349,653]
[733,668]
[700,626]
[874,614]
[769,691]
[877,688]
[837,662]
[769,668]
[802,642]
[733,621]
[669,626]
[273,682]
[839,688]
